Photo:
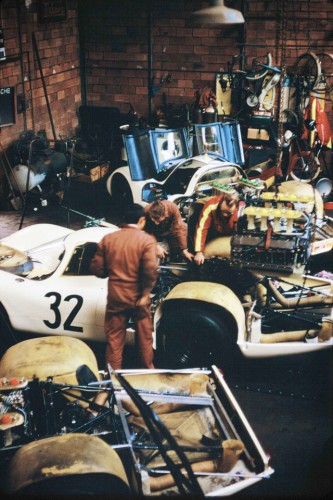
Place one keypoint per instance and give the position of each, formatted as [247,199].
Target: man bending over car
[217,218]
[128,257]
[164,221]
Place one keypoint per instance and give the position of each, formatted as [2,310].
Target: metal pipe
[150,58]
[27,183]
[318,299]
[34,43]
[18,14]
[82,51]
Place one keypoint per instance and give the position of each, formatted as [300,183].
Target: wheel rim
[307,68]
[307,174]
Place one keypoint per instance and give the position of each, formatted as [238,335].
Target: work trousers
[115,331]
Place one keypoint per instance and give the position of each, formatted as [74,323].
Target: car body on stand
[68,429]
[160,165]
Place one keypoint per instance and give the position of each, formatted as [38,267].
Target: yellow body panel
[213,293]
[43,357]
[68,454]
[218,247]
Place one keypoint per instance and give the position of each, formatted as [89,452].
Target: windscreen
[37,263]
[169,147]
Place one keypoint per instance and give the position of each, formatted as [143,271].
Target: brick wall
[115,34]
[57,47]
[117,46]
[184,58]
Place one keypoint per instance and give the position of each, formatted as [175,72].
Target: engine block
[270,236]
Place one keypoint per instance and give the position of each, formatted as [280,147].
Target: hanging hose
[294,336]
[318,299]
[324,334]
[35,47]
[231,450]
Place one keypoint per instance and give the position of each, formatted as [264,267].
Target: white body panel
[58,304]
[200,165]
[257,350]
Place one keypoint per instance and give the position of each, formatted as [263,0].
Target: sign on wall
[7,110]
[52,10]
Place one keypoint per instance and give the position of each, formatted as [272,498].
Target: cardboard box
[99,171]
[258,134]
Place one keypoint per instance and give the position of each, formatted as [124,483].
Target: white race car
[199,316]
[160,166]
[46,287]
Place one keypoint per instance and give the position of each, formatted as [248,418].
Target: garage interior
[73,72]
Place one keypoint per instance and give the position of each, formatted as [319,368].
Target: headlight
[153,191]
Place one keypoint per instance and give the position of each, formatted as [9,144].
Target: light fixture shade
[217,14]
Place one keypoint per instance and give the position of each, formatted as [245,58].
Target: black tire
[78,486]
[121,193]
[7,334]
[196,334]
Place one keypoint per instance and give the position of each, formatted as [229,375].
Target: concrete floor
[287,400]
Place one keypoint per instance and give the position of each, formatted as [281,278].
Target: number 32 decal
[57,316]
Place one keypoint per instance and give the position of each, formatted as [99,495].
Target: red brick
[178,48]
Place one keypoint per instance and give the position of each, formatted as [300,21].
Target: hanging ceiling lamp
[217,14]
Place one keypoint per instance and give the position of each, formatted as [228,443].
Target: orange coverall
[173,229]
[210,224]
[128,258]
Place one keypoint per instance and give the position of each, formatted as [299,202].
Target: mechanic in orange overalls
[128,257]
[164,221]
[217,218]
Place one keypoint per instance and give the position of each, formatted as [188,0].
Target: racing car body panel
[63,305]
[185,179]
[149,423]
[35,235]
[260,350]
[57,295]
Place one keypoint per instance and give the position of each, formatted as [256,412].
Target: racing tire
[121,193]
[72,465]
[7,334]
[78,486]
[197,334]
